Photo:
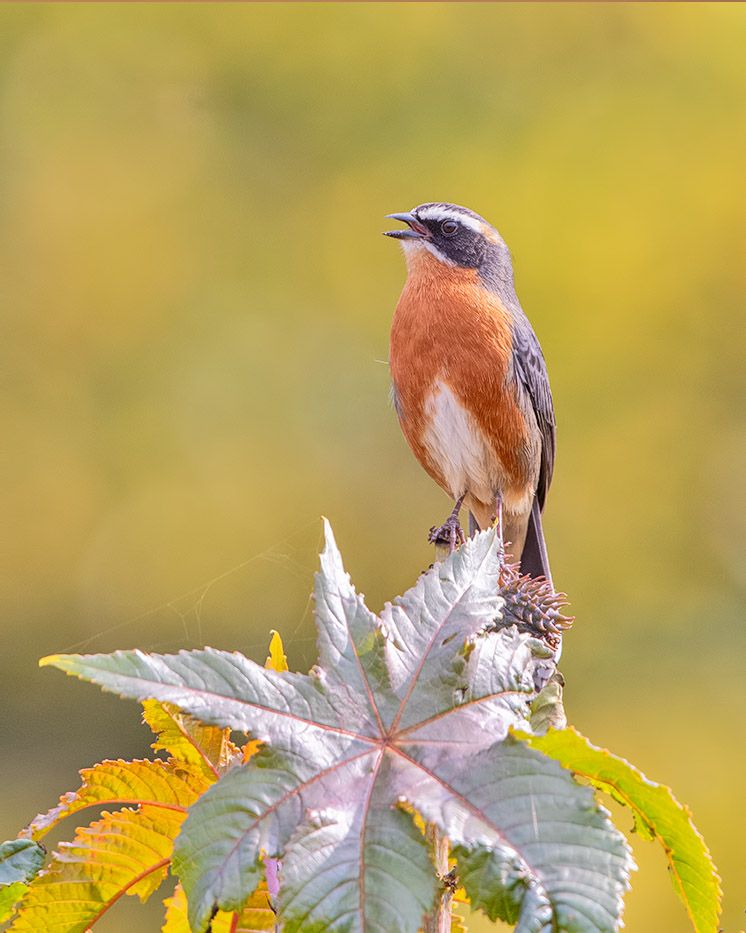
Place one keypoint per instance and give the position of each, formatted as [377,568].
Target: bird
[469,381]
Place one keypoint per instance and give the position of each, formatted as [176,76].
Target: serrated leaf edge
[599,783]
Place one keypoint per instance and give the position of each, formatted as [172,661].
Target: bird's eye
[448,227]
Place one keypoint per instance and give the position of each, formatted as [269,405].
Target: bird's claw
[448,534]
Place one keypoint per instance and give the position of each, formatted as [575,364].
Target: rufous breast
[459,407]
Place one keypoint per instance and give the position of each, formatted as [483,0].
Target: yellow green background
[195,302]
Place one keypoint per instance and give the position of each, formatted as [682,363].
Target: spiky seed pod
[533,606]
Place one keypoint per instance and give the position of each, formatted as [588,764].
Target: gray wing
[531,372]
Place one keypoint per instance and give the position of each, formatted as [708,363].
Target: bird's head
[454,235]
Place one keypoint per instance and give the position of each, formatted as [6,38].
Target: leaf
[392,886]
[112,783]
[10,895]
[277,661]
[198,755]
[256,917]
[20,860]
[126,852]
[657,813]
[547,710]
[412,707]
[188,740]
[530,849]
[458,922]
[176,913]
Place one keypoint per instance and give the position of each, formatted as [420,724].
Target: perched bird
[470,384]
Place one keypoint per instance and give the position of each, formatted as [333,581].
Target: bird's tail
[534,559]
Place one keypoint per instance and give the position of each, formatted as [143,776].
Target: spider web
[193,613]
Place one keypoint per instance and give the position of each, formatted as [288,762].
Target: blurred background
[196,301]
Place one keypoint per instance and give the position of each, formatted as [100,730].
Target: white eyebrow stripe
[442,213]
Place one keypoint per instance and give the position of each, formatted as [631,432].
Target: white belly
[458,448]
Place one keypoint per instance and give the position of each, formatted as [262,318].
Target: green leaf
[530,849]
[412,707]
[395,881]
[547,710]
[20,860]
[658,814]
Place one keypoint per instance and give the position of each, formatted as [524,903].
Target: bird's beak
[417,230]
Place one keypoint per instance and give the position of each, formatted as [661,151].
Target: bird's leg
[499,519]
[500,537]
[449,533]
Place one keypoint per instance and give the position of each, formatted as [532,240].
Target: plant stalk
[440,921]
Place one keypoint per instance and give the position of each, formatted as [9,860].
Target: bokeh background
[196,301]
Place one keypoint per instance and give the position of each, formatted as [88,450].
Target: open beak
[417,230]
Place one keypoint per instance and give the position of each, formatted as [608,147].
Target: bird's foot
[449,534]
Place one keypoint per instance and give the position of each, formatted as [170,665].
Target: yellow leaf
[127,852]
[159,784]
[176,912]
[256,917]
[277,661]
[458,923]
[250,748]
[188,740]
